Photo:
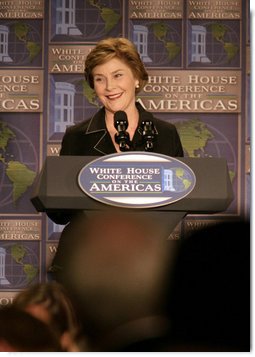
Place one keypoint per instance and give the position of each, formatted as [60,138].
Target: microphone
[148,132]
[121,124]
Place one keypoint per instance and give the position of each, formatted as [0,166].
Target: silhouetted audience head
[138,292]
[116,273]
[209,296]
[51,303]
[21,332]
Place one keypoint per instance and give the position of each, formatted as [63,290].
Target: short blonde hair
[120,48]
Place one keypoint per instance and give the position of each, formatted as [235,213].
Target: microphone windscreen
[120,116]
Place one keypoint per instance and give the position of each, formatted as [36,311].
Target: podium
[57,190]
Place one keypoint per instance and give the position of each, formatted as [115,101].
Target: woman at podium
[116,73]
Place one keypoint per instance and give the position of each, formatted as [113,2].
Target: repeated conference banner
[197,54]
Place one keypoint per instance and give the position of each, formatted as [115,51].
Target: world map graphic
[160,31]
[24,43]
[23,33]
[199,140]
[222,43]
[109,16]
[219,32]
[181,179]
[94,19]
[15,175]
[164,41]
[21,264]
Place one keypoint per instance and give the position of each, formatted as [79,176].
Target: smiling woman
[115,71]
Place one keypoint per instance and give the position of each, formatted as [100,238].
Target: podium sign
[136,179]
[58,188]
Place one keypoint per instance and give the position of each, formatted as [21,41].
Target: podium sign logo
[137,179]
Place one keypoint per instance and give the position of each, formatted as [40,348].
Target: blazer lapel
[99,136]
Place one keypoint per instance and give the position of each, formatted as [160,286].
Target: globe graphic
[161,36]
[179,179]
[20,149]
[19,51]
[220,45]
[160,54]
[215,50]
[220,146]
[94,20]
[94,25]
[14,272]
[200,139]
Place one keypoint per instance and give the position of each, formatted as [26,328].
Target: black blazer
[91,137]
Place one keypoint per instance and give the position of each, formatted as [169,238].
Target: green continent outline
[6,134]
[21,32]
[20,176]
[108,15]
[179,173]
[218,32]
[194,136]
[160,31]
[18,173]
[18,254]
